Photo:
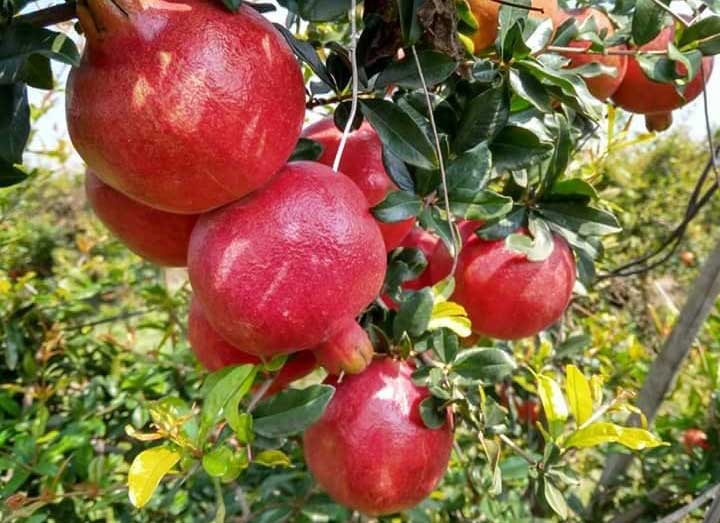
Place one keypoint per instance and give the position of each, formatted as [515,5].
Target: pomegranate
[370,450]
[362,162]
[508,296]
[158,236]
[695,438]
[286,267]
[639,94]
[183,105]
[486,13]
[349,350]
[604,85]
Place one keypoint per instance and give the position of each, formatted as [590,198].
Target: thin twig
[708,127]
[521,6]
[619,52]
[259,394]
[48,16]
[520,452]
[680,514]
[676,16]
[477,496]
[438,150]
[354,103]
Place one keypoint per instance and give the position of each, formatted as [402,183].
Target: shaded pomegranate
[486,13]
[158,236]
[508,296]
[604,85]
[183,105]
[527,409]
[214,353]
[349,350]
[639,94]
[370,450]
[695,438]
[362,163]
[286,267]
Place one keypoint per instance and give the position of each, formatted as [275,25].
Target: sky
[51,128]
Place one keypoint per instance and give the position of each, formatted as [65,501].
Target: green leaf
[272,458]
[147,470]
[479,205]
[436,68]
[397,206]
[537,247]
[561,154]
[529,88]
[499,229]
[647,22]
[242,425]
[307,53]
[483,119]
[14,122]
[20,41]
[488,365]
[399,133]
[577,390]
[291,411]
[37,72]
[414,314]
[10,175]
[552,399]
[409,24]
[603,432]
[517,148]
[445,345]
[432,413]
[555,499]
[306,149]
[706,30]
[217,461]
[232,5]
[398,171]
[224,397]
[471,170]
[317,10]
[573,189]
[582,219]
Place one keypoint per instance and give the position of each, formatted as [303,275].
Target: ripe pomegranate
[349,350]
[214,353]
[527,410]
[183,105]
[286,267]
[486,13]
[370,450]
[639,94]
[362,163]
[158,236]
[695,438]
[508,296]
[604,85]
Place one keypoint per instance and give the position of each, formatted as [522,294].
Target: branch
[676,16]
[520,6]
[604,52]
[48,16]
[680,514]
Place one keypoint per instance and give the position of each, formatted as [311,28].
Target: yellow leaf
[552,399]
[604,432]
[146,471]
[596,385]
[452,316]
[577,390]
[272,458]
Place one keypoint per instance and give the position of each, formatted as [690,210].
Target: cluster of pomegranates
[629,87]
[186,116]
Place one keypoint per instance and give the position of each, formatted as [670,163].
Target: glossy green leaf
[431,412]
[518,148]
[14,122]
[224,397]
[272,458]
[648,20]
[488,365]
[436,68]
[317,10]
[414,314]
[217,461]
[291,411]
[306,149]
[19,42]
[555,499]
[483,119]
[397,206]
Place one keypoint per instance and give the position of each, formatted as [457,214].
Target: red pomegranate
[349,350]
[214,353]
[695,438]
[286,267]
[362,162]
[638,94]
[370,450]
[604,85]
[508,296]
[158,236]
[183,105]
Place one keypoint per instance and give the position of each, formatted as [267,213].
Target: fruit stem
[49,16]
[259,395]
[354,103]
[521,6]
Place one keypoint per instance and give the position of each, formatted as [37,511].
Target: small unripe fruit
[508,296]
[158,236]
[370,450]
[604,85]
[362,162]
[486,14]
[639,94]
[183,106]
[284,268]
[687,258]
[695,438]
[347,351]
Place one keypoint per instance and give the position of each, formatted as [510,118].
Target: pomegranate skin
[158,236]
[370,450]
[638,94]
[284,268]
[349,350]
[509,297]
[695,438]
[601,86]
[362,163]
[184,106]
[211,349]
[486,14]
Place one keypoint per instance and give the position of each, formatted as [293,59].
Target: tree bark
[664,369]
